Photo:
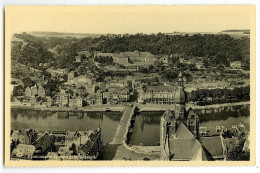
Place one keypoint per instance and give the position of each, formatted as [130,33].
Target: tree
[237,153]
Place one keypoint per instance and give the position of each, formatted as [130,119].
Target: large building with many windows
[160,94]
[179,134]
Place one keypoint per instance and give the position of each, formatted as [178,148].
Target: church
[179,134]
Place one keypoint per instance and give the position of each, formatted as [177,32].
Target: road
[122,128]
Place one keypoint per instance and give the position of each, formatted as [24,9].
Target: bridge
[122,129]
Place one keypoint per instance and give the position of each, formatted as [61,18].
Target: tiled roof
[183,133]
[180,149]
[200,155]
[213,145]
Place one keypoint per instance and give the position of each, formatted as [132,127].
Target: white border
[3,3]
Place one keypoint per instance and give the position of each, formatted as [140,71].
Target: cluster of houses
[81,90]
[56,145]
[231,136]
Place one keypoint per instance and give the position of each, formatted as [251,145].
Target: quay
[122,129]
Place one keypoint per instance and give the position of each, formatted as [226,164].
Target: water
[43,120]
[146,130]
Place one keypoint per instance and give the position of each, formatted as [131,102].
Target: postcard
[129,85]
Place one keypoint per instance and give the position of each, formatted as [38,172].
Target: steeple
[193,122]
[180,80]
[180,98]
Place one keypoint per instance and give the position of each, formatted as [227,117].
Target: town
[102,74]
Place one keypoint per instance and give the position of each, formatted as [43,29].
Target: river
[44,120]
[146,130]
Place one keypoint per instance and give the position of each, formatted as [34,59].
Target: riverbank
[101,108]
[121,107]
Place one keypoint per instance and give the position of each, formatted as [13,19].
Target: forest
[216,49]
[218,96]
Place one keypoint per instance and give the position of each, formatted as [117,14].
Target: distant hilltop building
[128,58]
[179,136]
[236,64]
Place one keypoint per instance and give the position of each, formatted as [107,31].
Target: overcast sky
[131,19]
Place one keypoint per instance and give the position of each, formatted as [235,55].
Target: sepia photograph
[129,85]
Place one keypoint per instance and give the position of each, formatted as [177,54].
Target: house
[99,97]
[92,145]
[123,95]
[62,98]
[200,65]
[235,64]
[48,101]
[23,151]
[17,82]
[164,60]
[87,144]
[65,151]
[17,90]
[35,90]
[43,144]
[75,101]
[90,100]
[52,156]
[78,59]
[28,136]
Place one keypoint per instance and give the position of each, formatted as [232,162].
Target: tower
[180,99]
[171,122]
[193,122]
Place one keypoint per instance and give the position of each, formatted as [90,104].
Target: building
[159,94]
[235,64]
[43,144]
[179,134]
[123,95]
[75,101]
[87,144]
[23,151]
[200,65]
[36,90]
[164,60]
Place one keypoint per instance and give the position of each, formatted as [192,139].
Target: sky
[130,19]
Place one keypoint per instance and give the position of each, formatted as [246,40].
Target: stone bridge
[122,129]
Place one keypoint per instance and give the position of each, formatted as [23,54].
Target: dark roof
[180,149]
[89,143]
[183,133]
[200,154]
[213,145]
[83,150]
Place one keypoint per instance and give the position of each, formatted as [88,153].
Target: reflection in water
[227,117]
[146,129]
[45,120]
